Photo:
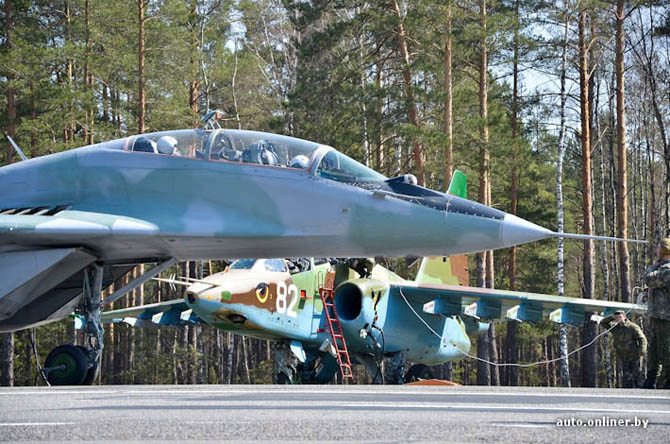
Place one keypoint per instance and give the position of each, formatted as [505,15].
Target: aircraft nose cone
[517,231]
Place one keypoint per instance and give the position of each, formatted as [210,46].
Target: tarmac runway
[333,413]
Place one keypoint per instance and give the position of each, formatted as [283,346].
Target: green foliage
[262,372]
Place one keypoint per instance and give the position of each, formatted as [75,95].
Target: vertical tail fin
[458,185]
[452,270]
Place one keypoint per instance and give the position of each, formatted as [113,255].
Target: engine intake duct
[348,301]
[354,300]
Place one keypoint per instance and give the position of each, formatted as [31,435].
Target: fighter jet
[73,222]
[428,321]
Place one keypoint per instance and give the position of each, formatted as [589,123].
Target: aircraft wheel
[418,372]
[92,373]
[73,363]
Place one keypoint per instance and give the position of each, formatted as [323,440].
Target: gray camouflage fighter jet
[72,222]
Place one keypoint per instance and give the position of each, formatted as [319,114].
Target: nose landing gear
[78,365]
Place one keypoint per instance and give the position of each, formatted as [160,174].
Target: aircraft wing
[489,303]
[171,313]
[43,250]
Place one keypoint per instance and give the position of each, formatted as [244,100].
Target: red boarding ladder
[341,352]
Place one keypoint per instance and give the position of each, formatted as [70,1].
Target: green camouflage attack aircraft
[73,222]
[427,321]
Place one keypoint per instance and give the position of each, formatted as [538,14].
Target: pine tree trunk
[622,182]
[175,366]
[652,195]
[68,131]
[379,135]
[613,201]
[130,331]
[565,365]
[192,351]
[7,360]
[482,259]
[485,166]
[448,102]
[219,356]
[229,361]
[409,91]
[604,264]
[493,354]
[110,345]
[88,77]
[105,102]
[157,349]
[116,109]
[141,89]
[588,355]
[448,371]
[511,354]
[466,372]
[515,133]
[11,92]
[245,360]
[138,333]
[512,373]
[193,87]
[198,356]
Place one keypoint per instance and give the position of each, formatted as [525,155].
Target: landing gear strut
[76,365]
[395,368]
[318,368]
[284,363]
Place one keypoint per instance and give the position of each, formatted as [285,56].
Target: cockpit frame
[250,148]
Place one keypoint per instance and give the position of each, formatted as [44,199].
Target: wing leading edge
[486,303]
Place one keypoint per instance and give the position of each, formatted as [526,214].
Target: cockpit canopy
[292,265]
[250,147]
[262,148]
[273,265]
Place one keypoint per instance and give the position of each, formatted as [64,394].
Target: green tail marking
[459,185]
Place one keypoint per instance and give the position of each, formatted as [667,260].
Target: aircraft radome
[74,221]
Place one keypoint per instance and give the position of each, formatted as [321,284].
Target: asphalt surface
[333,413]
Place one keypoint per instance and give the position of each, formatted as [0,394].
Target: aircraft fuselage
[191,208]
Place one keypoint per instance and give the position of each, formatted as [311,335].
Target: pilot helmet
[299,161]
[167,145]
[145,145]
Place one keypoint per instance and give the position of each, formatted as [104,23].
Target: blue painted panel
[525,312]
[568,315]
[488,309]
[170,317]
[444,307]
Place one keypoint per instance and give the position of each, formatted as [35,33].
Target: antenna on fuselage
[17,149]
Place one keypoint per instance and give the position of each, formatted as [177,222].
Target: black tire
[75,362]
[92,373]
[418,372]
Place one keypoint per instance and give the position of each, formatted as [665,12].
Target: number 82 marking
[283,292]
